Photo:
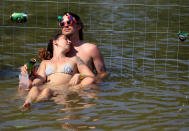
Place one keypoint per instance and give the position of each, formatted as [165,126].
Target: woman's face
[63,42]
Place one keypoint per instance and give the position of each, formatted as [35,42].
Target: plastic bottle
[24,81]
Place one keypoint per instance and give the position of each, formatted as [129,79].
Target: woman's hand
[75,79]
[23,69]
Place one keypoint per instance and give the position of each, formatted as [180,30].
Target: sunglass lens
[62,24]
[69,22]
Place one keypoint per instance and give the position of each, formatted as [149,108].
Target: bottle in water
[19,17]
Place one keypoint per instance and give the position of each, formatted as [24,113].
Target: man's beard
[68,34]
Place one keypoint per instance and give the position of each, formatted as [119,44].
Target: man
[72,27]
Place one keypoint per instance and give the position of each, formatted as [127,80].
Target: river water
[147,86]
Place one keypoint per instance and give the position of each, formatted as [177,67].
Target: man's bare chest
[83,54]
[84,57]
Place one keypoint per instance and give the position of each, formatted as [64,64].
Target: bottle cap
[33,60]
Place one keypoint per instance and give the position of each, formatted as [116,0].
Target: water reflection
[74,102]
[69,126]
[67,108]
[148,66]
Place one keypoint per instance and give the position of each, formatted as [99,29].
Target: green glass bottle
[19,17]
[31,66]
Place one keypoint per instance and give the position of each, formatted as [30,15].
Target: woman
[59,70]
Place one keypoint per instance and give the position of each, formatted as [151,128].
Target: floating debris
[182,36]
[19,17]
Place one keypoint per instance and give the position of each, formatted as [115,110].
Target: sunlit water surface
[147,86]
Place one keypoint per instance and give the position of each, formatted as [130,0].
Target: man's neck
[74,39]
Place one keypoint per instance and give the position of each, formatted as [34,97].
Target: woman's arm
[40,74]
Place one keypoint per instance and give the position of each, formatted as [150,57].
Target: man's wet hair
[79,22]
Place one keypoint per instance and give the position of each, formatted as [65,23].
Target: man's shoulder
[90,46]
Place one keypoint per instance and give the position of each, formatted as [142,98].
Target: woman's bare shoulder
[72,59]
[44,62]
[75,59]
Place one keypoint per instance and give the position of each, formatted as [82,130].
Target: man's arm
[87,74]
[98,62]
